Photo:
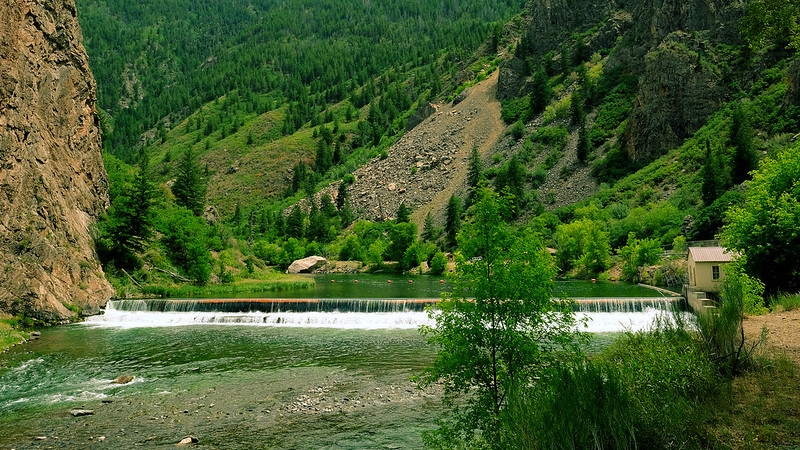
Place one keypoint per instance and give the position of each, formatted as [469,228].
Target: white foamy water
[597,322]
[355,320]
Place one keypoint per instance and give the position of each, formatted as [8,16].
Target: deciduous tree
[499,327]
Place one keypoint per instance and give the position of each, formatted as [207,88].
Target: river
[314,379]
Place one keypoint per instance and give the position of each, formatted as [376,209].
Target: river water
[299,377]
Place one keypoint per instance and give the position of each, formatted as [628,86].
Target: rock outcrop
[53,185]
[306,265]
[678,92]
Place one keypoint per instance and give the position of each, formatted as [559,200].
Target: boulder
[122,379]
[306,265]
[81,412]
[188,440]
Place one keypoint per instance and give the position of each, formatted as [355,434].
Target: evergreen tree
[512,178]
[474,174]
[294,223]
[741,138]
[190,187]
[577,113]
[130,223]
[342,196]
[428,228]
[299,176]
[582,147]
[540,91]
[711,177]
[452,221]
[403,213]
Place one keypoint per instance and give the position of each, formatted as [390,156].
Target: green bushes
[515,109]
[555,136]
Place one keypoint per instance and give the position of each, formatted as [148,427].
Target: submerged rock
[82,412]
[123,379]
[306,264]
[188,440]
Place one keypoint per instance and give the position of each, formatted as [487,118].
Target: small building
[707,268]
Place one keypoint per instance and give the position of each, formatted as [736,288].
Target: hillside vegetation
[357,133]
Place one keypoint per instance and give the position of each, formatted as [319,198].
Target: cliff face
[668,43]
[678,91]
[53,184]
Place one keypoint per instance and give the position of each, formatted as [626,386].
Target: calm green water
[411,286]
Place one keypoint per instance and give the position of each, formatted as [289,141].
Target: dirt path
[783,331]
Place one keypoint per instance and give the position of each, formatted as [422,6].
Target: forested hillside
[631,127]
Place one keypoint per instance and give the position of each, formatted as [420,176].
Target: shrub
[438,263]
[515,109]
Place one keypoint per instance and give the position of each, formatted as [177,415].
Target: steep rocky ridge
[666,42]
[52,182]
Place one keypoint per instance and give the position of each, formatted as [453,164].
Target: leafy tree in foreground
[766,229]
[185,237]
[499,328]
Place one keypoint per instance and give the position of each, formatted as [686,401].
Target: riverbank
[10,335]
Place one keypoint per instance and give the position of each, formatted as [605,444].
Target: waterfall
[602,314]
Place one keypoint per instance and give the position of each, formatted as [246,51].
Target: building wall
[701,275]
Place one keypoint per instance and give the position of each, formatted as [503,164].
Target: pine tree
[741,138]
[130,224]
[428,228]
[342,196]
[711,177]
[540,91]
[583,144]
[452,221]
[294,223]
[190,187]
[474,174]
[576,108]
[403,213]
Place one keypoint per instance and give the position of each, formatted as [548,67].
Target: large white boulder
[306,264]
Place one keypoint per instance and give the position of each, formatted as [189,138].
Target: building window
[715,272]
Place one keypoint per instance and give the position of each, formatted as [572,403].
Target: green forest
[223,122]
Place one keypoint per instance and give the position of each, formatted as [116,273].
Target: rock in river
[307,264]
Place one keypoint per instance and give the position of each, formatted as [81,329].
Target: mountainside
[53,185]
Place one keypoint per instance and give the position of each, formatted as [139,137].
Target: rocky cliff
[668,43]
[52,182]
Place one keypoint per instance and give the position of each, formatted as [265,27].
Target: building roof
[710,254]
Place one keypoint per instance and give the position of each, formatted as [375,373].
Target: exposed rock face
[677,93]
[53,184]
[306,264]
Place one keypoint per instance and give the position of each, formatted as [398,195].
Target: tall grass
[785,302]
[644,391]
